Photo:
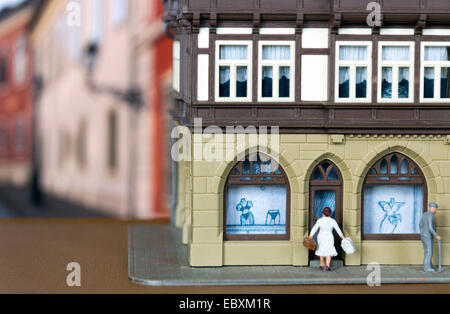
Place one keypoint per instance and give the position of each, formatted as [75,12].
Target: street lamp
[132,96]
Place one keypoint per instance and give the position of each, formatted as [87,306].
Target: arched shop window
[394,199]
[257,201]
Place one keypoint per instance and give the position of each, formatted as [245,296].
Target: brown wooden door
[326,191]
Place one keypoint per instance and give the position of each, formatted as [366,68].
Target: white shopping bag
[347,246]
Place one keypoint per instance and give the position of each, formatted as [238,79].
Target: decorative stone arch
[224,168]
[335,159]
[423,159]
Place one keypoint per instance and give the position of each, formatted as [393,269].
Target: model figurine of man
[427,232]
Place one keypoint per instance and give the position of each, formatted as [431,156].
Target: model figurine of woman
[325,239]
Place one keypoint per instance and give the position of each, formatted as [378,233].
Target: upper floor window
[276,71]
[119,11]
[19,135]
[81,144]
[233,71]
[112,145]
[395,72]
[20,60]
[3,137]
[435,72]
[3,68]
[353,71]
[97,21]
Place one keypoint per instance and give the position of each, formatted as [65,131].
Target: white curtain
[403,73]
[436,54]
[395,53]
[276,53]
[233,52]
[361,74]
[224,74]
[344,74]
[387,74]
[429,73]
[267,72]
[241,74]
[355,53]
[285,71]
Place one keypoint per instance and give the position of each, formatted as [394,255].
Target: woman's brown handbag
[309,244]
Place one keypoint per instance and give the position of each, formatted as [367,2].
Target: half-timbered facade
[360,92]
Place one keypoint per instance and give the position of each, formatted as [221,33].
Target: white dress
[325,238]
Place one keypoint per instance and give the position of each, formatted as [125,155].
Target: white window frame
[233,64]
[437,65]
[395,67]
[353,64]
[176,55]
[276,64]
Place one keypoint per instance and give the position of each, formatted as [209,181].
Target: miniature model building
[363,114]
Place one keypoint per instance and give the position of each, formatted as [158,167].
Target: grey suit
[427,232]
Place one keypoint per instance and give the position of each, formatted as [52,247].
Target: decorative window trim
[436,32]
[276,31]
[353,64]
[276,64]
[234,31]
[415,176]
[233,64]
[437,66]
[259,180]
[395,66]
[355,31]
[397,31]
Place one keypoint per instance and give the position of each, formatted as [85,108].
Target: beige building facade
[202,188]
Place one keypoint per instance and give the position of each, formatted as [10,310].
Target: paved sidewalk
[156,257]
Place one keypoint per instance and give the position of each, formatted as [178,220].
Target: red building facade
[15,95]
[160,85]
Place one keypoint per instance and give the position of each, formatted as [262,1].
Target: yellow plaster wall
[299,154]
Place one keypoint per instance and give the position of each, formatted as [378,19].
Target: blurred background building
[15,95]
[97,96]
